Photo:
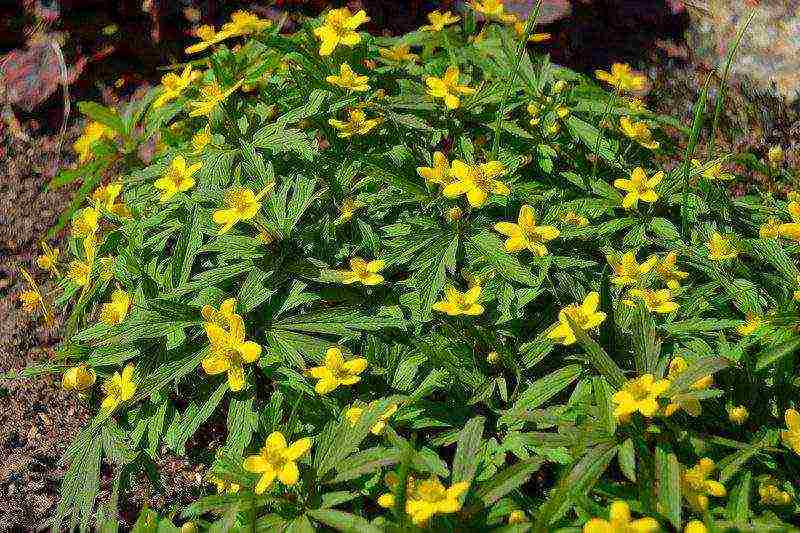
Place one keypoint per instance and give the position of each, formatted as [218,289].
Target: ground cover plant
[424,282]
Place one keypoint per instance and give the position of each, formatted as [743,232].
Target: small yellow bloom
[398,53]
[224,486]
[738,414]
[695,526]
[720,248]
[357,124]
[517,517]
[116,310]
[639,132]
[349,80]
[775,155]
[201,139]
[574,219]
[460,303]
[78,378]
[84,223]
[208,37]
[211,95]
[277,459]
[336,371]
[439,20]
[770,229]
[118,388]
[622,78]
[535,111]
[177,178]
[627,271]
[519,29]
[49,259]
[751,324]
[229,350]
[339,28]
[791,436]
[222,316]
[349,207]
[353,414]
[430,498]
[476,181]
[245,23]
[659,301]
[173,85]
[447,88]
[240,204]
[639,395]
[94,132]
[364,272]
[585,315]
[620,521]
[668,271]
[711,171]
[439,173]
[697,487]
[492,358]
[79,273]
[691,405]
[493,10]
[639,187]
[526,234]
[105,197]
[33,299]
[770,494]
[392,480]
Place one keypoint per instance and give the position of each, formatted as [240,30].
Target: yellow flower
[697,487]
[211,95]
[347,79]
[575,219]
[335,371]
[49,259]
[439,20]
[363,272]
[439,173]
[476,181]
[620,521]
[526,234]
[691,405]
[229,350]
[84,224]
[353,414]
[177,178]
[659,301]
[339,28]
[535,111]
[32,298]
[775,155]
[398,53]
[173,86]
[751,324]
[492,10]
[668,271]
[221,317]
[201,139]
[720,248]
[639,132]
[517,517]
[241,204]
[791,436]
[460,303]
[277,459]
[118,388]
[387,500]
[770,229]
[116,310]
[770,494]
[430,498]
[639,187]
[208,37]
[738,414]
[519,29]
[105,197]
[357,124]
[627,271]
[639,395]
[79,273]
[78,378]
[492,358]
[447,88]
[695,526]
[245,23]
[712,171]
[94,132]
[622,78]
[348,208]
[585,315]
[224,486]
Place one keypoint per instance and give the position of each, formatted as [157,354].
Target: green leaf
[772,354]
[507,480]
[466,459]
[699,369]
[343,521]
[668,472]
[103,115]
[597,357]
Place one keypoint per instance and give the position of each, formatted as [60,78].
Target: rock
[769,55]
[551,10]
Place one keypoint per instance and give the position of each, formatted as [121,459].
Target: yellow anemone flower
[398,53]
[691,405]
[177,178]
[659,301]
[439,20]
[32,299]
[277,459]
[94,132]
[430,497]
[78,378]
[336,371]
[349,80]
[79,272]
[639,395]
[517,517]
[460,303]
[211,95]
[622,77]
[696,486]
[720,248]
[711,171]
[791,436]
[639,132]
[620,521]
[493,10]
[105,197]
[221,316]
[241,204]
[639,187]
[357,124]
[668,271]
[770,494]
[519,29]
[339,28]
[49,259]
[574,219]
[116,310]
[526,234]
[173,85]
[348,209]
[118,388]
[84,223]
[439,173]
[353,414]
[229,351]
[364,272]
[201,139]
[208,37]
[447,87]
[585,315]
[751,324]
[223,485]
[245,23]
[627,271]
[476,181]
[738,414]
[695,526]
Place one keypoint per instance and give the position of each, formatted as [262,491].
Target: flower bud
[493,358]
[738,414]
[78,378]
